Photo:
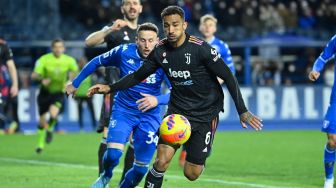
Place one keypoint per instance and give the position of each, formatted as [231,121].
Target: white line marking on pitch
[68,165]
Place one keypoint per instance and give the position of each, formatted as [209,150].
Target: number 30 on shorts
[152,138]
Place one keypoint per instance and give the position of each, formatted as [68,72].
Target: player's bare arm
[97,37]
[13,74]
[313,75]
[37,77]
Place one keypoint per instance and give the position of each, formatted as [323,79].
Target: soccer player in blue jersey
[135,109]
[329,124]
[208,28]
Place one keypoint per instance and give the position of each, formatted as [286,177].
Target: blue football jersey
[327,54]
[126,57]
[224,51]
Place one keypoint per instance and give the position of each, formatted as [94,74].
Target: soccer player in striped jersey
[192,67]
[329,124]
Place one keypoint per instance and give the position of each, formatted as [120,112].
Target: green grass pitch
[239,159]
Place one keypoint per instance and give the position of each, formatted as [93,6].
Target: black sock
[128,161]
[101,152]
[154,178]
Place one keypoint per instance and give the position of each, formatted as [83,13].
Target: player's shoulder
[193,40]
[46,56]
[162,43]
[68,58]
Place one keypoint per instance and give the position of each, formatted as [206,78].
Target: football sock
[101,151]
[128,161]
[111,160]
[134,176]
[41,134]
[329,160]
[154,178]
[52,123]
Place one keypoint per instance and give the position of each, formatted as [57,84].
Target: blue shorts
[329,123]
[144,126]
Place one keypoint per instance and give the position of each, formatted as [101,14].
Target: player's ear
[185,25]
[122,10]
[140,9]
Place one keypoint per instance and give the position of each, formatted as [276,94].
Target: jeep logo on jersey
[187,55]
[179,74]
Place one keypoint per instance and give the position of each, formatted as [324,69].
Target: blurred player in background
[9,87]
[81,97]
[52,70]
[192,67]
[208,28]
[122,31]
[329,124]
[135,109]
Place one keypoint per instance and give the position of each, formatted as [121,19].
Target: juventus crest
[187,55]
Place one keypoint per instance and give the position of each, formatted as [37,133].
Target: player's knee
[332,142]
[191,175]
[140,169]
[112,155]
[161,164]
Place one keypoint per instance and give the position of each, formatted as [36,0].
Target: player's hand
[70,89]
[251,119]
[45,81]
[147,102]
[313,75]
[117,25]
[14,91]
[98,89]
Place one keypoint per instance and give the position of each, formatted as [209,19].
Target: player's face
[146,41]
[208,28]
[131,9]
[174,27]
[58,49]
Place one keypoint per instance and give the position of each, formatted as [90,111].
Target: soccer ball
[175,129]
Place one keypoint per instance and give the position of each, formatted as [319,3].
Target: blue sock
[329,160]
[111,160]
[134,176]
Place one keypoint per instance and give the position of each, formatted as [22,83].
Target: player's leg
[102,127]
[329,156]
[182,157]
[54,111]
[120,127]
[198,147]
[329,127]
[145,141]
[43,103]
[164,155]
[102,150]
[129,158]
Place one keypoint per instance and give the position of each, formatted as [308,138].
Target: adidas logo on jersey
[164,60]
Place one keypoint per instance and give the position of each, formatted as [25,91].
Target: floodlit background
[274,45]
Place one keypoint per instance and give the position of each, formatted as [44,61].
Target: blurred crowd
[238,20]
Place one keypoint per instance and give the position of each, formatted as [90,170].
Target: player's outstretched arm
[98,37]
[217,66]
